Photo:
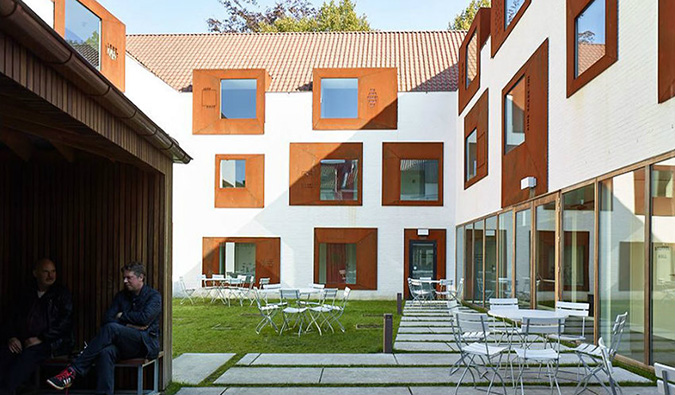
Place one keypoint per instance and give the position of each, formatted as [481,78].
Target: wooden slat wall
[91,217]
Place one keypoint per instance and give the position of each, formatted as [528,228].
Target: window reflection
[523,240]
[83,31]
[505,255]
[545,261]
[337,263]
[238,98]
[512,7]
[419,179]
[339,97]
[460,256]
[339,179]
[470,153]
[472,59]
[490,257]
[232,173]
[237,259]
[478,284]
[514,116]
[590,36]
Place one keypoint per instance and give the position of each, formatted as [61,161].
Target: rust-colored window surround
[480,30]
[392,155]
[377,99]
[477,120]
[267,255]
[574,9]
[113,39]
[666,50]
[499,29]
[365,240]
[305,172]
[530,158]
[252,195]
[206,97]
[437,235]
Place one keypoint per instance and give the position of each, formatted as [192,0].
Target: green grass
[217,328]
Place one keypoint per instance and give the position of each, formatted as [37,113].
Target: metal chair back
[665,379]
[503,303]
[617,334]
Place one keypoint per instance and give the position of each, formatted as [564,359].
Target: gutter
[23,25]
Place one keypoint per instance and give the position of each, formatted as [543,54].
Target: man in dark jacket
[41,326]
[130,330]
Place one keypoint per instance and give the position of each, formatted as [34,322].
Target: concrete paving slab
[246,375]
[530,390]
[420,337]
[248,359]
[444,323]
[423,346]
[317,391]
[325,359]
[426,359]
[425,329]
[423,318]
[192,368]
[201,391]
[384,375]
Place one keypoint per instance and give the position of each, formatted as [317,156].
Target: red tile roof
[426,61]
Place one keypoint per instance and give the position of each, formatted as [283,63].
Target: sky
[173,16]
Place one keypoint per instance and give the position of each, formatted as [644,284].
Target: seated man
[40,327]
[130,330]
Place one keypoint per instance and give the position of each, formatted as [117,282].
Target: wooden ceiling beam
[18,143]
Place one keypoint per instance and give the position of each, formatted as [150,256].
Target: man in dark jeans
[40,327]
[130,330]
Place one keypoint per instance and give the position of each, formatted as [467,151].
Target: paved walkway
[423,372]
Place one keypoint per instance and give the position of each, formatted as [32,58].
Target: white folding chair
[665,379]
[187,292]
[218,285]
[600,358]
[573,310]
[291,297]
[549,355]
[267,312]
[501,327]
[338,309]
[444,289]
[320,313]
[473,323]
[417,291]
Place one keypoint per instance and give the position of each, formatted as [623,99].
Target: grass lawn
[217,328]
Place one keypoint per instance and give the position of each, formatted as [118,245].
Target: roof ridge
[295,33]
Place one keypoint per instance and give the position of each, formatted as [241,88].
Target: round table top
[518,314]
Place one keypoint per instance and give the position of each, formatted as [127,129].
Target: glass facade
[479,273]
[490,258]
[238,98]
[514,116]
[459,235]
[83,31]
[545,259]
[505,255]
[522,245]
[339,179]
[590,36]
[339,97]
[337,263]
[419,179]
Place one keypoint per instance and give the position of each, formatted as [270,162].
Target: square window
[237,258]
[514,116]
[233,256]
[337,263]
[419,180]
[472,59]
[238,98]
[589,29]
[83,31]
[471,152]
[339,179]
[232,173]
[511,7]
[339,97]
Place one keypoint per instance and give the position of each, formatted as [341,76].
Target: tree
[289,16]
[463,19]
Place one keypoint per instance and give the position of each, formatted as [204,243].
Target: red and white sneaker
[62,380]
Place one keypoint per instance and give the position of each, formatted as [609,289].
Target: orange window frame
[499,32]
[305,172]
[366,254]
[253,194]
[480,27]
[377,99]
[392,154]
[574,9]
[267,255]
[477,119]
[206,99]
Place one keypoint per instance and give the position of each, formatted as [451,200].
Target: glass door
[545,257]
[422,259]
[523,244]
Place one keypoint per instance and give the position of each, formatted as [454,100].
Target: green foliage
[289,16]
[463,19]
[208,328]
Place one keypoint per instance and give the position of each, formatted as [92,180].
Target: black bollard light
[399,303]
[388,334]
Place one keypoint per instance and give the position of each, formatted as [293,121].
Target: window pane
[472,59]
[545,284]
[460,254]
[83,31]
[470,154]
[578,271]
[419,179]
[337,263]
[505,254]
[512,7]
[478,288]
[339,97]
[238,98]
[339,179]
[663,263]
[490,257]
[621,266]
[469,277]
[514,116]
[590,36]
[523,240]
[237,258]
[233,173]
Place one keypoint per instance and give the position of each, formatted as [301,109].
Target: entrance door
[422,259]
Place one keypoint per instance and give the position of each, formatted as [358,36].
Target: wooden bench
[138,363]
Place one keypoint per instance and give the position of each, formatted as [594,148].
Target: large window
[337,263]
[478,272]
[83,31]
[237,259]
[514,116]
[419,180]
[523,240]
[663,264]
[339,179]
[252,256]
[490,258]
[412,174]
[346,257]
[590,36]
[622,264]
[339,97]
[238,98]
[476,142]
[578,249]
[505,255]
